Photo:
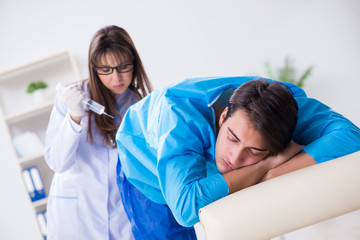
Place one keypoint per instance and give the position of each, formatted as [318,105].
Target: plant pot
[39,96]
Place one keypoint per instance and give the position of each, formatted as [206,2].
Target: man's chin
[221,169]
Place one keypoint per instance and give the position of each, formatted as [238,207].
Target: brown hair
[271,108]
[113,40]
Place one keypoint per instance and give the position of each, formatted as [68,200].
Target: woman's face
[116,82]
[238,143]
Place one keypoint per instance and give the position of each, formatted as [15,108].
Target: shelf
[29,112]
[14,83]
[26,116]
[40,202]
[41,63]
[25,160]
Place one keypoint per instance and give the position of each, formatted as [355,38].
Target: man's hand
[298,161]
[249,175]
[289,152]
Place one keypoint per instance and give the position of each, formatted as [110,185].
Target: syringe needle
[108,115]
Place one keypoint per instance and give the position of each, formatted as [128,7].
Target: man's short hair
[271,108]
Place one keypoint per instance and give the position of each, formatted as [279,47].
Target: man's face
[238,143]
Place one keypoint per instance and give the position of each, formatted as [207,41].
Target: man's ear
[222,116]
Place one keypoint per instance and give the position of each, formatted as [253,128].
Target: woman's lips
[118,86]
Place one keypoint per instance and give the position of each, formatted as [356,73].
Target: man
[183,148]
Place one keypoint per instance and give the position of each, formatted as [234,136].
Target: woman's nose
[116,75]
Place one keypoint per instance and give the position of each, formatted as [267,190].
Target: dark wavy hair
[113,40]
[272,109]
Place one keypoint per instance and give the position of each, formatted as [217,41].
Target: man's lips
[228,165]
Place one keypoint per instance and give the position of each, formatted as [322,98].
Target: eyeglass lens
[120,69]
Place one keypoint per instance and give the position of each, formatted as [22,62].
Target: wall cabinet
[26,118]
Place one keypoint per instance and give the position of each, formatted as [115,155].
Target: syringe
[88,103]
[95,107]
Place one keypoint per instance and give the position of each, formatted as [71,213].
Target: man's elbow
[184,219]
[184,211]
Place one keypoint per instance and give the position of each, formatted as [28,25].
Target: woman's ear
[222,116]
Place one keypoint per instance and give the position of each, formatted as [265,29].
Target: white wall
[180,39]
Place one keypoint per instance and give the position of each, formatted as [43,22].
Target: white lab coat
[84,201]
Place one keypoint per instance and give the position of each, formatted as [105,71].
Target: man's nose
[236,157]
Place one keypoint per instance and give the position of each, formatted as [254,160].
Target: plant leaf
[287,74]
[305,75]
[268,70]
[33,86]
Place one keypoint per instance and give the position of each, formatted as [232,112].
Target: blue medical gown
[149,220]
[166,142]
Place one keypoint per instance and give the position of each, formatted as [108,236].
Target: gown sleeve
[184,151]
[62,138]
[326,133]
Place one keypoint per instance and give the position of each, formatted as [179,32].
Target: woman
[84,201]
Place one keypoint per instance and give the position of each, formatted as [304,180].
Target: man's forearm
[245,176]
[299,161]
[250,175]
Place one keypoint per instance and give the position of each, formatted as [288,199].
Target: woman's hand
[73,98]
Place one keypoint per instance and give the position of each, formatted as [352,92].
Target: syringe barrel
[94,106]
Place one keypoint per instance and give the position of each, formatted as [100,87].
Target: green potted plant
[288,73]
[37,88]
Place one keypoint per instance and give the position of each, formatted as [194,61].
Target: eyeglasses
[109,70]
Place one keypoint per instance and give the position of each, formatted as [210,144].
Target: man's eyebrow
[233,134]
[255,148]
